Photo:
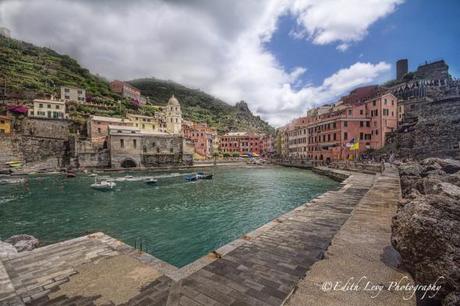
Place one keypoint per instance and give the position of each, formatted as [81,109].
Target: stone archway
[128,163]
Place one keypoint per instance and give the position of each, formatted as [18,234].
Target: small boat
[70,174]
[130,178]
[150,181]
[191,178]
[103,185]
[204,176]
[93,174]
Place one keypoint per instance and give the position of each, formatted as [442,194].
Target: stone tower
[173,116]
[402,67]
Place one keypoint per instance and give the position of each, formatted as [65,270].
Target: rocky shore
[426,228]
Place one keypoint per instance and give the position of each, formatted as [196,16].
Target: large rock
[425,229]
[7,250]
[425,232]
[23,242]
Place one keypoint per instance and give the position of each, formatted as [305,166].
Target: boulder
[411,169]
[7,250]
[447,165]
[23,242]
[425,233]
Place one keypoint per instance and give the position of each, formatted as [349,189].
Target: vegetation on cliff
[199,106]
[34,72]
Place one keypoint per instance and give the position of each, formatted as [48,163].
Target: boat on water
[130,178]
[191,178]
[11,180]
[204,176]
[198,176]
[71,174]
[150,181]
[103,185]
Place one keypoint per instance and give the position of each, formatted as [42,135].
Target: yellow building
[147,123]
[5,125]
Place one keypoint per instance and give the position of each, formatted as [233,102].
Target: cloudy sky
[280,56]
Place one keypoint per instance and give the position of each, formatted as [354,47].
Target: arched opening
[128,163]
[321,157]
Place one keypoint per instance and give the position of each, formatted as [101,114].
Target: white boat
[150,181]
[130,178]
[103,185]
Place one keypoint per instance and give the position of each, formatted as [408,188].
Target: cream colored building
[48,109]
[73,94]
[147,123]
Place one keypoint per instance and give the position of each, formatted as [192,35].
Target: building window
[122,143]
[368,124]
[49,105]
[349,112]
[66,90]
[374,103]
[99,130]
[361,123]
[345,136]
[134,143]
[360,111]
[345,123]
[57,106]
[171,150]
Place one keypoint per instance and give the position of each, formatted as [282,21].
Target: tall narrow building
[173,116]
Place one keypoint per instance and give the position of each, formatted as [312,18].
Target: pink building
[331,134]
[203,137]
[244,143]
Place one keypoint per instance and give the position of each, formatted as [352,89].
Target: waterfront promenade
[283,260]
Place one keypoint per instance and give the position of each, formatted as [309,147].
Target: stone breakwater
[425,230]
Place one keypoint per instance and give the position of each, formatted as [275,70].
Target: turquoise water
[178,221]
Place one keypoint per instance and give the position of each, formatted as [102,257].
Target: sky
[282,57]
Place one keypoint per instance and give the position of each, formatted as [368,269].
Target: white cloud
[342,21]
[215,46]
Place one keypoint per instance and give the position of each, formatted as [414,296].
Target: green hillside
[34,72]
[199,106]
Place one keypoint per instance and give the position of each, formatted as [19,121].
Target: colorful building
[202,136]
[365,124]
[126,90]
[298,138]
[98,127]
[48,109]
[147,123]
[244,143]
[5,125]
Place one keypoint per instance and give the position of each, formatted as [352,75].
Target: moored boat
[150,181]
[103,185]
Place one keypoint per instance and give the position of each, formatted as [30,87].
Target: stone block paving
[263,268]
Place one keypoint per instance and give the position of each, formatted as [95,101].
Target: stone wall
[45,128]
[432,129]
[141,150]
[91,155]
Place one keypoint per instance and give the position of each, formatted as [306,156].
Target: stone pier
[287,259]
